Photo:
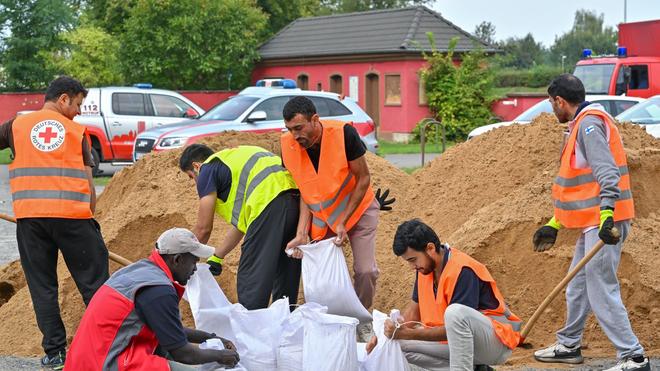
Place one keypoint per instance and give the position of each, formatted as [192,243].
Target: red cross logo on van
[47,135]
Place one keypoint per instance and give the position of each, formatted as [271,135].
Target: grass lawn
[102,180]
[4,156]
[391,148]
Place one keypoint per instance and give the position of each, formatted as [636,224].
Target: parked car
[255,109]
[114,116]
[646,114]
[614,104]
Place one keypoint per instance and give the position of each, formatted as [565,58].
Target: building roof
[380,31]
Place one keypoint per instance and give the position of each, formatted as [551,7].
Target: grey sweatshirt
[592,150]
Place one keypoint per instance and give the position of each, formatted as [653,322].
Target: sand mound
[486,196]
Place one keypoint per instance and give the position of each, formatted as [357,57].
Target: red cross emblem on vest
[47,135]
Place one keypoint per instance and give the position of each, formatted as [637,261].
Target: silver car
[254,109]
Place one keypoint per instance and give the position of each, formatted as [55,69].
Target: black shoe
[54,361]
[483,368]
[558,353]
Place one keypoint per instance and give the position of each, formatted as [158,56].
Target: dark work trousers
[264,267]
[85,255]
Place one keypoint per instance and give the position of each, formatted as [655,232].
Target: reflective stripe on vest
[50,195]
[328,189]
[432,306]
[257,178]
[47,171]
[576,193]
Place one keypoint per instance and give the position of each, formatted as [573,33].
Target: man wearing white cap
[134,319]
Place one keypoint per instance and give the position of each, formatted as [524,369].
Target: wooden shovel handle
[594,250]
[112,256]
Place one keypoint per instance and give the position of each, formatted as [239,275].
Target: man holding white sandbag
[457,318]
[327,161]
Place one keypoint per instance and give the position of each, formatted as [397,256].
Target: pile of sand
[486,196]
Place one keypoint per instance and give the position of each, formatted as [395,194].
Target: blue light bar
[284,83]
[622,51]
[586,53]
[143,85]
[260,83]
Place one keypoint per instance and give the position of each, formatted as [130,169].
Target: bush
[535,77]
[459,96]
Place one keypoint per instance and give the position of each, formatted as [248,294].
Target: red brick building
[373,57]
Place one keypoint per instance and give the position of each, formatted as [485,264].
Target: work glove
[545,237]
[215,265]
[606,224]
[383,201]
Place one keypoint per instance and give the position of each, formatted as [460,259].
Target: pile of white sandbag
[318,335]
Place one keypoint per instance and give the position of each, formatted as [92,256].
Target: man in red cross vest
[53,197]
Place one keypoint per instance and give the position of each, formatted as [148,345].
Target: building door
[372,98]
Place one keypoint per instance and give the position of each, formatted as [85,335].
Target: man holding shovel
[53,197]
[592,193]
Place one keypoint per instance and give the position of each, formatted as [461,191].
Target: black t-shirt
[469,291]
[214,176]
[158,308]
[353,146]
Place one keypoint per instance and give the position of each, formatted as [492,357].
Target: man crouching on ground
[465,320]
[133,321]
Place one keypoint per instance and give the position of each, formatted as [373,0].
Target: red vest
[576,193]
[327,191]
[432,307]
[47,177]
[111,336]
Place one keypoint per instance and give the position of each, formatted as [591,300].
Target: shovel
[569,276]
[112,256]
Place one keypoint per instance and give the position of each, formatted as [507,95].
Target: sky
[545,19]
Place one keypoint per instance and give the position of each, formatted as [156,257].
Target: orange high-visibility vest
[576,193]
[47,177]
[432,307]
[327,192]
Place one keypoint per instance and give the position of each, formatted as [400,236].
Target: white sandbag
[210,307]
[213,366]
[387,355]
[326,280]
[257,334]
[329,342]
[290,348]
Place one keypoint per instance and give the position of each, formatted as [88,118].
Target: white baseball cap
[181,240]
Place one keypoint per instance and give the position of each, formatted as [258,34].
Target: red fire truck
[633,71]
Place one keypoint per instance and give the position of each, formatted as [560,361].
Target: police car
[256,109]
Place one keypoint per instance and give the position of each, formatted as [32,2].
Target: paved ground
[410,160]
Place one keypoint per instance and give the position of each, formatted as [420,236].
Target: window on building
[130,104]
[319,87]
[423,100]
[303,81]
[392,89]
[639,77]
[336,84]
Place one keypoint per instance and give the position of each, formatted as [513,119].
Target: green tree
[485,31]
[108,14]
[522,52]
[282,12]
[91,55]
[31,27]
[588,32]
[195,44]
[458,95]
[348,6]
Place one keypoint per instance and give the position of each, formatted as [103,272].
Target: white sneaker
[640,363]
[558,353]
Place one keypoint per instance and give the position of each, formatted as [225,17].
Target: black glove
[544,238]
[383,201]
[605,232]
[215,265]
